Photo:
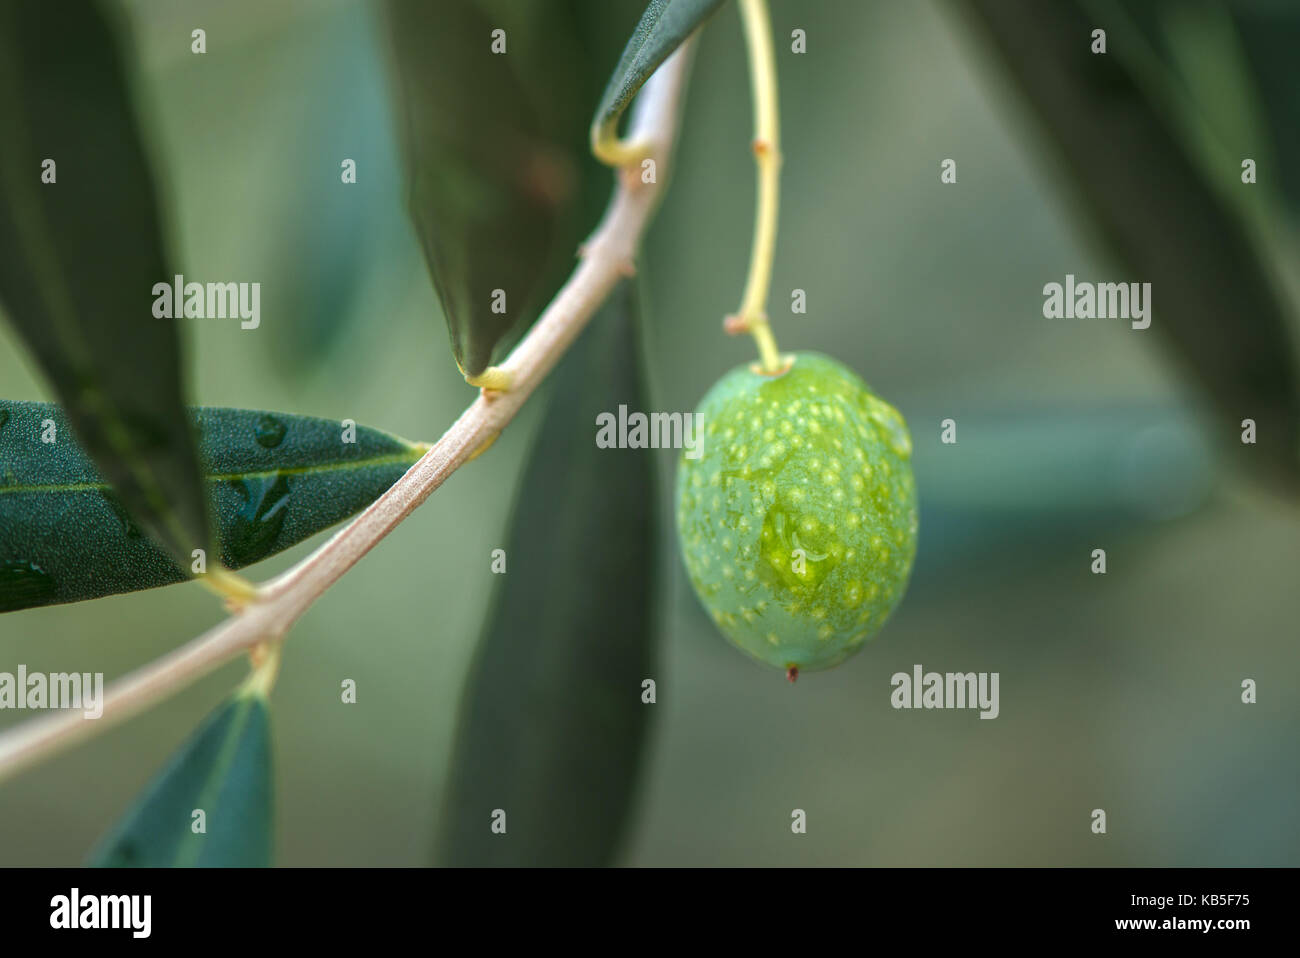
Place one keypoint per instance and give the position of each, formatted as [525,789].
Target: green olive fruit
[797,518]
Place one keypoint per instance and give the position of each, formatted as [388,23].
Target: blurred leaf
[336,243]
[1214,300]
[552,724]
[1021,480]
[225,770]
[272,480]
[1187,55]
[1187,59]
[663,28]
[79,258]
[1270,37]
[492,157]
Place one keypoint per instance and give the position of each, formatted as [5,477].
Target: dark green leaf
[1188,57]
[1214,301]
[552,723]
[494,145]
[272,480]
[223,770]
[663,27]
[1270,37]
[79,258]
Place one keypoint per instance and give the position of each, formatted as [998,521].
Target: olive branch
[262,616]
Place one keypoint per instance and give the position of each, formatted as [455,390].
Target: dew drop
[252,534]
[23,584]
[269,432]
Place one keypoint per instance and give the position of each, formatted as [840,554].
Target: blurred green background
[1119,692]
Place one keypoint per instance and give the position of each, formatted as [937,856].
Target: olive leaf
[222,772]
[271,481]
[1269,36]
[1235,63]
[552,721]
[664,26]
[492,156]
[1041,474]
[1214,301]
[80,253]
[340,226]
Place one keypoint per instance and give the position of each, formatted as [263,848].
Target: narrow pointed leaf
[493,143]
[1214,302]
[79,258]
[224,771]
[271,481]
[552,723]
[663,28]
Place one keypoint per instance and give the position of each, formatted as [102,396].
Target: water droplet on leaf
[270,432]
[253,533]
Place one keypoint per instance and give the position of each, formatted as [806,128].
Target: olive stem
[752,315]
[281,601]
[265,657]
[610,150]
[228,585]
[494,377]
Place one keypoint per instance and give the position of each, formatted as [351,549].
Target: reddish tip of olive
[792,672]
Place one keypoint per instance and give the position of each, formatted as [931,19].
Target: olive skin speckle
[798,520]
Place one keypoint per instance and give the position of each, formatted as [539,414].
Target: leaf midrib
[395,459]
[210,791]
